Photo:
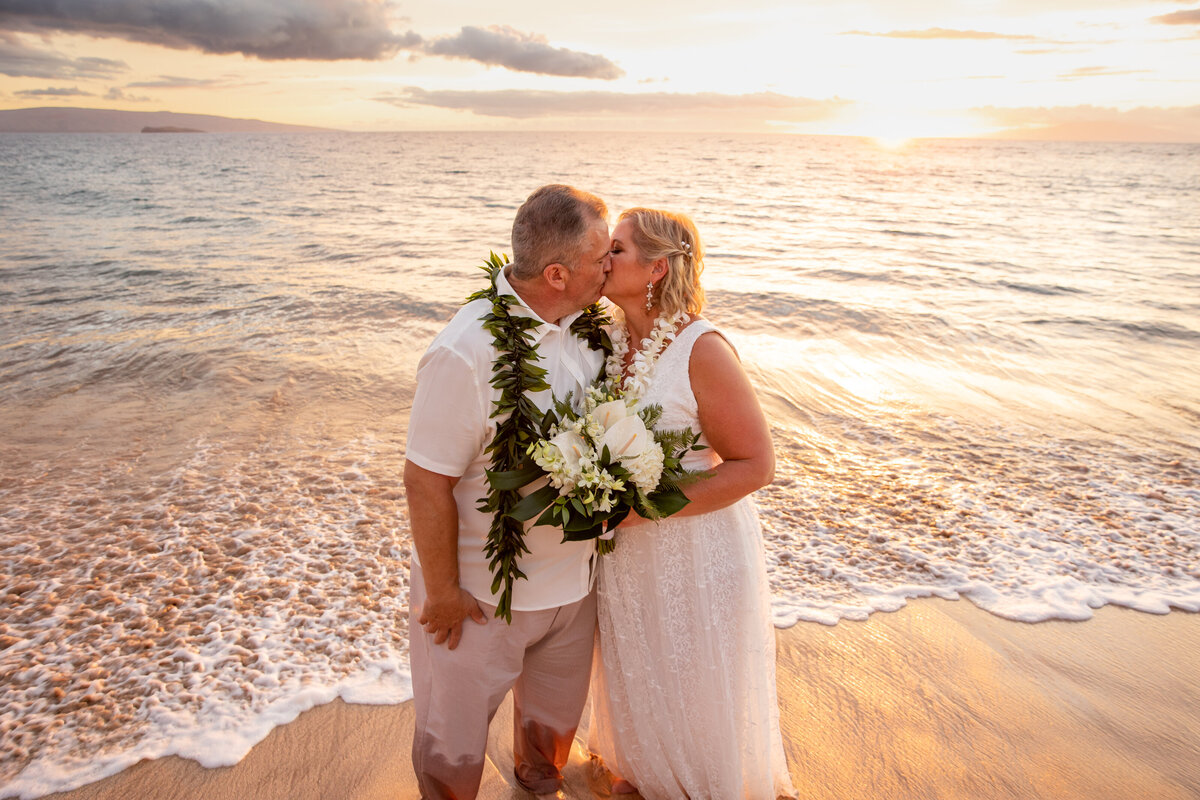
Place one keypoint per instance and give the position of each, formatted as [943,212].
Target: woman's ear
[659,269]
[556,275]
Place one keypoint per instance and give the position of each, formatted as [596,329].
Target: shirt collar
[564,324]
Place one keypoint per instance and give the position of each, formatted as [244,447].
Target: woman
[684,684]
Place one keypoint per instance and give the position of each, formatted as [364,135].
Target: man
[463,659]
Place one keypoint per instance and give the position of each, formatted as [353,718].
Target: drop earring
[649,295]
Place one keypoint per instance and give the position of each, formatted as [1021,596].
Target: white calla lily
[573,448]
[610,413]
[627,438]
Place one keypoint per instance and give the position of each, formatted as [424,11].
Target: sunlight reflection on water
[977,360]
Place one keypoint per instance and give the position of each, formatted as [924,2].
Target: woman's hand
[633,520]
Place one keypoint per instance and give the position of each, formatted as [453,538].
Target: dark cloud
[1189,17]
[944,33]
[18,60]
[317,30]
[502,46]
[527,104]
[322,30]
[70,91]
[116,93]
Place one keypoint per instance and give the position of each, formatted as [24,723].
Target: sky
[890,69]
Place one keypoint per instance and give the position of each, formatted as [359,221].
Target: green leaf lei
[516,375]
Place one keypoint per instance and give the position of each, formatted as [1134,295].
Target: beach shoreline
[937,699]
[209,378]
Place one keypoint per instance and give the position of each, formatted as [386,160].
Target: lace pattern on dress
[683,690]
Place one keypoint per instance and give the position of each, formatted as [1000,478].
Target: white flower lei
[641,370]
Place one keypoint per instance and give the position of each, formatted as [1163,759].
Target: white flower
[574,450]
[626,438]
[594,396]
[608,414]
[546,456]
[645,470]
[549,458]
[641,369]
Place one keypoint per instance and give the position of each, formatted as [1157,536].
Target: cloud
[70,91]
[1087,122]
[1096,72]
[500,45]
[116,93]
[527,104]
[1189,17]
[1043,115]
[19,60]
[1014,7]
[321,30]
[944,33]
[174,82]
[315,30]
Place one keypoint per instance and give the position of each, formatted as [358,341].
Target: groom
[463,659]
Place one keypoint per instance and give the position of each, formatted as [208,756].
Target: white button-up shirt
[451,425]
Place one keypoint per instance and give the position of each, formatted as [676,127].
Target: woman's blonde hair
[657,234]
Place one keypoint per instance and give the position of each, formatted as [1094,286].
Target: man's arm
[433,515]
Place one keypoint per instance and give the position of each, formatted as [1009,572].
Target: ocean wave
[917,234]
[142,272]
[203,421]
[859,522]
[1151,331]
[349,305]
[896,277]
[227,595]
[1043,289]
[801,317]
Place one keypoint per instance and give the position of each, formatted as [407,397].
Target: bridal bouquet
[600,462]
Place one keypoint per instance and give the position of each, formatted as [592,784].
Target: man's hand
[443,617]
[434,518]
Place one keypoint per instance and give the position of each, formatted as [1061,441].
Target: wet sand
[939,699]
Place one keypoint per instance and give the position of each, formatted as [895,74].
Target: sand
[938,700]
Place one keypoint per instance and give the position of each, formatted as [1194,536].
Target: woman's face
[629,275]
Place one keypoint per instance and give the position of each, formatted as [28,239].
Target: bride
[684,684]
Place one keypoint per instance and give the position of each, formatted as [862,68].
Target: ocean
[980,362]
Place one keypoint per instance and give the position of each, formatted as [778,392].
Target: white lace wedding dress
[683,688]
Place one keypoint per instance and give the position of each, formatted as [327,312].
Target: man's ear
[556,275]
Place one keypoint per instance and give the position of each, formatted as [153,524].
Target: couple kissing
[664,620]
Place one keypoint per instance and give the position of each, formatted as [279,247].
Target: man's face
[585,282]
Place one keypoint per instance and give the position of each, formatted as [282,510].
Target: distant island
[170,129]
[100,120]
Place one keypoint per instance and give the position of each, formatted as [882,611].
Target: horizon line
[1012,134]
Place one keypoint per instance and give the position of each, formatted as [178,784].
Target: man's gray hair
[551,228]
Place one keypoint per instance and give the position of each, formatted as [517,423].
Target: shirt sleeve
[448,426]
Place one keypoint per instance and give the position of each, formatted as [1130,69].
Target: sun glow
[891,142]
[898,72]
